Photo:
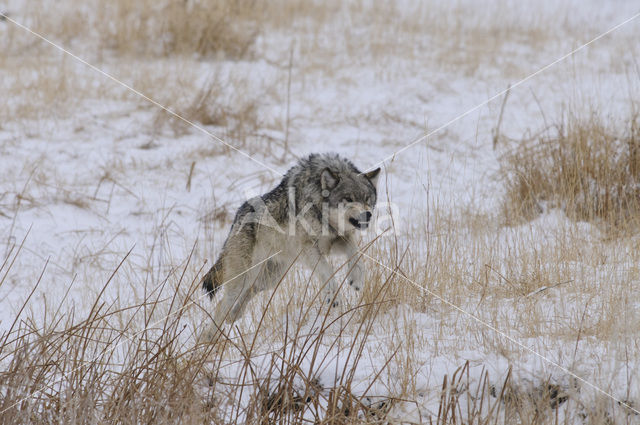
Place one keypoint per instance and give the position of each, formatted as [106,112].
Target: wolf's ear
[373,176]
[328,180]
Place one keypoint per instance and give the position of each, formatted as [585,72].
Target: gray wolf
[317,208]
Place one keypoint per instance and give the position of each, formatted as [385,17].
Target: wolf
[317,208]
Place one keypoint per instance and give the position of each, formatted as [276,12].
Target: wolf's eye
[347,199]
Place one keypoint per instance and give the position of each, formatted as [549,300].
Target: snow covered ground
[90,171]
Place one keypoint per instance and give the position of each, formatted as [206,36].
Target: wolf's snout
[362,221]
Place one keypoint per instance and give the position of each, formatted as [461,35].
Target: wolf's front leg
[356,271]
[317,261]
[356,276]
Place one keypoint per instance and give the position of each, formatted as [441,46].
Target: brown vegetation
[587,166]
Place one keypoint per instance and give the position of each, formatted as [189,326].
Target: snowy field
[112,209]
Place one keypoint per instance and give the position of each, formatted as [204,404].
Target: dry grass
[45,84]
[153,28]
[463,38]
[222,103]
[133,362]
[127,361]
[116,33]
[39,89]
[587,166]
[130,364]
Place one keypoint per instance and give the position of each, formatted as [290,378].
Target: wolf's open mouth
[358,224]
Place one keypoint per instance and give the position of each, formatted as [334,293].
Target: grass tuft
[586,166]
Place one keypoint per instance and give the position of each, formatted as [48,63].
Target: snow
[82,189]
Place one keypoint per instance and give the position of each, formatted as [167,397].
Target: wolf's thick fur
[316,208]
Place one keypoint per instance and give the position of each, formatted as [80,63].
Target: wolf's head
[350,197]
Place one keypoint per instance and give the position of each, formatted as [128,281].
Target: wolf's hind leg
[236,296]
[237,276]
[222,311]
[269,275]
[272,272]
[241,301]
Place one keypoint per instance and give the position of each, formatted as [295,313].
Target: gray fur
[317,207]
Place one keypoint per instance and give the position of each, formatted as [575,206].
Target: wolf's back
[213,279]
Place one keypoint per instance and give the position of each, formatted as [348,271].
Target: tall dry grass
[224,104]
[587,166]
[110,365]
[225,29]
[464,37]
[136,361]
[130,364]
[131,41]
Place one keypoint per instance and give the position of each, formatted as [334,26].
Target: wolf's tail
[213,279]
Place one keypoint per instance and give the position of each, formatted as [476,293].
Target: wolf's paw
[333,299]
[356,278]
